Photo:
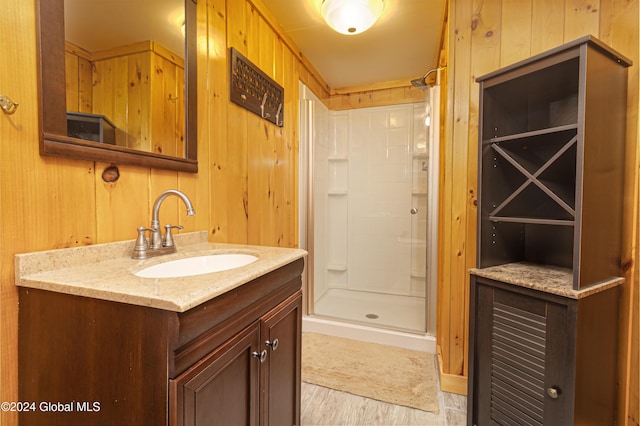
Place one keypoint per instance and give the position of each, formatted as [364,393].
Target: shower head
[421,83]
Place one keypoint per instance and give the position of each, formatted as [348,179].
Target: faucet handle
[168,237]
[142,245]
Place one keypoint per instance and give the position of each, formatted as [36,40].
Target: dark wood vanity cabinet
[249,380]
[109,363]
[541,359]
[280,332]
[221,389]
[543,298]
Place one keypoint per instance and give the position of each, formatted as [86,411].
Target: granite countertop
[106,271]
[545,278]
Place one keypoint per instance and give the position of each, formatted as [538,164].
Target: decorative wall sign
[254,90]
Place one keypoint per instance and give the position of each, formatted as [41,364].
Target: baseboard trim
[450,382]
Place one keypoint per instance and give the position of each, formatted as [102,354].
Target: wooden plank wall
[245,190]
[484,36]
[254,164]
[366,97]
[148,80]
[78,79]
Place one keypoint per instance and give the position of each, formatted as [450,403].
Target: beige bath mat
[385,373]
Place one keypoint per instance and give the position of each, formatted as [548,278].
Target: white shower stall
[368,214]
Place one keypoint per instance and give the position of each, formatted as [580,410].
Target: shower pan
[367,215]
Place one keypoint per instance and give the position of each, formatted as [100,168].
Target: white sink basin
[196,265]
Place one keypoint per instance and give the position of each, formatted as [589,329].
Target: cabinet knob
[414,211]
[262,355]
[553,392]
[273,344]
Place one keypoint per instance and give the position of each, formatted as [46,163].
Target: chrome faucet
[159,245]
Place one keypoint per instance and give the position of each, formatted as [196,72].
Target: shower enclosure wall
[368,214]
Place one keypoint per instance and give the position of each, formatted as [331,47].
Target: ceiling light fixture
[351,16]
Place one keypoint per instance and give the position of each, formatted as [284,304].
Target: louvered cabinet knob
[553,392]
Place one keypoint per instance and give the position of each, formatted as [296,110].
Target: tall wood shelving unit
[543,299]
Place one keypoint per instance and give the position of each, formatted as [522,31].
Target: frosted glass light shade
[351,16]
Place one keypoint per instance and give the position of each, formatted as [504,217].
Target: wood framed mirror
[58,140]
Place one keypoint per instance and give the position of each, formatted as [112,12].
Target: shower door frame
[306,213]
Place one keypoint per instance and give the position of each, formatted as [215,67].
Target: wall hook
[8,106]
[279,122]
[264,101]
[172,98]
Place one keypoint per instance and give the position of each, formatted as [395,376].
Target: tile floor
[327,407]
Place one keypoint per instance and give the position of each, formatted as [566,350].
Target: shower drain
[372,316]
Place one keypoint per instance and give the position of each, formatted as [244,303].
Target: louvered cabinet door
[523,350]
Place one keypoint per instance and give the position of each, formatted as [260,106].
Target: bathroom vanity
[101,346]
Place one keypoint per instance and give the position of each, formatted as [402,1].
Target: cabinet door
[222,388]
[522,352]
[281,335]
